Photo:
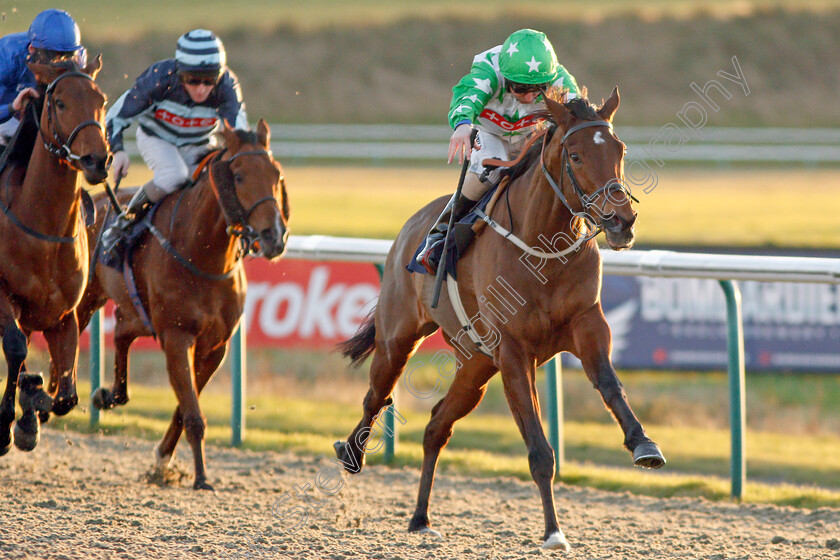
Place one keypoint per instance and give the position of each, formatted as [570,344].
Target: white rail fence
[385,142]
[728,269]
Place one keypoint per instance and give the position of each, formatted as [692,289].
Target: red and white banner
[295,303]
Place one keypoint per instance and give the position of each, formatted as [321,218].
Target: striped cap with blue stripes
[200,50]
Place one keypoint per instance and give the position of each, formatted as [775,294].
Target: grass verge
[793,470]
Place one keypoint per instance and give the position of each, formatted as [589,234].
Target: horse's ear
[610,106]
[93,67]
[263,134]
[230,136]
[562,116]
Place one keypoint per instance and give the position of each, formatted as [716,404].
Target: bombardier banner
[680,323]
[657,323]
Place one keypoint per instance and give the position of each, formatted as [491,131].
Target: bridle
[235,214]
[62,152]
[587,200]
[60,145]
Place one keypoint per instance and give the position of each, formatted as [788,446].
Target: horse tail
[361,344]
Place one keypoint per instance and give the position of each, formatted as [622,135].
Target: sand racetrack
[83,496]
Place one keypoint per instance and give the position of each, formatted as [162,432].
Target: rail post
[554,403]
[237,381]
[737,399]
[390,427]
[97,360]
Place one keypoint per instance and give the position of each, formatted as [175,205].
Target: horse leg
[205,367]
[14,349]
[179,347]
[104,398]
[464,394]
[63,343]
[593,342]
[518,377]
[388,362]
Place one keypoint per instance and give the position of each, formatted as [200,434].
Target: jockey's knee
[473,187]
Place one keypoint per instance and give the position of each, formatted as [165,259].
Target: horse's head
[71,120]
[251,190]
[588,159]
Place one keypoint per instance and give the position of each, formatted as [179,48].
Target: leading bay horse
[43,248]
[188,275]
[526,303]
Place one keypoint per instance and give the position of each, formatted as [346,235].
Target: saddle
[116,259]
[461,235]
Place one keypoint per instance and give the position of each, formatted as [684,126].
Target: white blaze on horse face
[598,139]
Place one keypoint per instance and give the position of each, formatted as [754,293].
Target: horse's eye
[237,178]
[60,104]
[574,157]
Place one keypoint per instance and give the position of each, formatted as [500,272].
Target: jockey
[501,97]
[53,37]
[178,104]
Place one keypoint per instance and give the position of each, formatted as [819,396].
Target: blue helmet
[55,30]
[200,51]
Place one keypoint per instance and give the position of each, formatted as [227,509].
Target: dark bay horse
[43,249]
[193,291]
[524,307]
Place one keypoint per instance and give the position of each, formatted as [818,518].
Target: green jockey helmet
[527,57]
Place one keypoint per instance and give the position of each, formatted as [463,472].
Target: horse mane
[580,107]
[247,136]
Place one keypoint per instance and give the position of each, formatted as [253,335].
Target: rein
[237,217]
[28,230]
[587,200]
[62,152]
[237,227]
[63,148]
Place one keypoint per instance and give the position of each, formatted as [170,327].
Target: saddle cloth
[114,257]
[461,237]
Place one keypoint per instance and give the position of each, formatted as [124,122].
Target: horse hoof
[44,416]
[6,443]
[101,399]
[32,394]
[648,456]
[342,451]
[64,405]
[430,532]
[203,485]
[557,541]
[27,431]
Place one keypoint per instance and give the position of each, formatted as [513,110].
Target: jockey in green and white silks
[500,97]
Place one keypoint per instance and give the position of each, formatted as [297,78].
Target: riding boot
[113,237]
[427,257]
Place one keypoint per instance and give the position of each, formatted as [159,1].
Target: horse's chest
[45,289]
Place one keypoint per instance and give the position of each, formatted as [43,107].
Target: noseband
[587,200]
[59,146]
[238,221]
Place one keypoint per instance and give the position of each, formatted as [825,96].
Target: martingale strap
[461,314]
[131,286]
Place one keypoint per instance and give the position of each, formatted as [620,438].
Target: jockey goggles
[516,87]
[193,80]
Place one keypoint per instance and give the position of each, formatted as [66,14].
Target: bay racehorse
[188,276]
[525,300]
[43,247]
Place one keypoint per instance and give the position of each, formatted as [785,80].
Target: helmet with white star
[527,57]
[200,52]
